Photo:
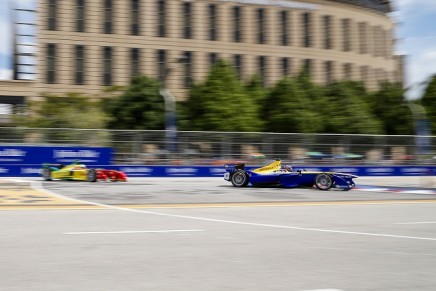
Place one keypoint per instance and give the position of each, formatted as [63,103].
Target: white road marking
[134,231]
[417,222]
[37,185]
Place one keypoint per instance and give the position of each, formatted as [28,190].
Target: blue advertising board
[34,170]
[19,155]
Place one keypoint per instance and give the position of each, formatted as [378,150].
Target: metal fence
[206,148]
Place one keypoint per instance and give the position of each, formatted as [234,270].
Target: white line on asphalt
[417,222]
[37,185]
[134,231]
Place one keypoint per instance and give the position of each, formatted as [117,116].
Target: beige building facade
[85,46]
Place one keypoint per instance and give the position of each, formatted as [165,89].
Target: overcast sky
[416,34]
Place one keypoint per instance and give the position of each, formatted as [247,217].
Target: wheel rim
[324,182]
[46,174]
[239,179]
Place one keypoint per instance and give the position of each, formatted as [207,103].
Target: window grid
[237,24]
[134,29]
[107,66]
[161,29]
[261,26]
[213,22]
[161,60]
[327,26]
[80,16]
[52,15]
[51,63]
[284,27]
[187,78]
[80,65]
[262,69]
[135,62]
[346,41]
[187,19]
[307,29]
[108,16]
[237,64]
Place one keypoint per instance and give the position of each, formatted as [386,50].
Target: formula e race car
[275,174]
[80,172]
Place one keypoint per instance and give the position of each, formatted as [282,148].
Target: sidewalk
[419,182]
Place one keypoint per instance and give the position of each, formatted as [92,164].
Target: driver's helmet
[287,168]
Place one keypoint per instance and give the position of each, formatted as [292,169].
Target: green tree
[220,103]
[287,109]
[388,105]
[429,102]
[71,111]
[348,111]
[138,107]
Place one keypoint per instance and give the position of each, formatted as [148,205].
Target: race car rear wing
[233,167]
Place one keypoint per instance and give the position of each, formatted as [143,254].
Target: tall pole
[170,119]
[422,128]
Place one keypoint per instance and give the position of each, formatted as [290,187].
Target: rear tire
[240,178]
[323,181]
[46,174]
[92,175]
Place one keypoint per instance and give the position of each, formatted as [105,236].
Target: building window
[347,71]
[213,22]
[135,62]
[285,67]
[364,74]
[346,41]
[237,64]
[284,27]
[187,66]
[51,63]
[262,69]
[135,18]
[187,20]
[80,16]
[52,14]
[327,26]
[213,58]
[307,29]
[363,38]
[79,78]
[161,18]
[161,63]
[307,67]
[328,67]
[237,24]
[261,26]
[107,66]
[107,16]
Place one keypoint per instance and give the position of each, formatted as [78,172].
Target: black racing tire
[323,181]
[239,178]
[92,175]
[46,174]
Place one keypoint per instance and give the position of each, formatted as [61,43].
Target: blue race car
[275,174]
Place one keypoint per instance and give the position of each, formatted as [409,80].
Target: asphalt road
[161,234]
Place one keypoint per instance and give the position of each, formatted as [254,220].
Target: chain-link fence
[206,148]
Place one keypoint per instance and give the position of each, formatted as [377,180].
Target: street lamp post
[421,126]
[170,110]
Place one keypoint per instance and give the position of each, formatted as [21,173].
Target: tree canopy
[221,103]
[138,107]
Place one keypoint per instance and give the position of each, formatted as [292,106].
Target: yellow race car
[81,172]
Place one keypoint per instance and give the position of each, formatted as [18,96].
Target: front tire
[323,181]
[46,174]
[92,175]
[240,178]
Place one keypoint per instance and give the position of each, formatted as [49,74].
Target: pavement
[19,192]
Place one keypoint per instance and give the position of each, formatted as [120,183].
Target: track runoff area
[204,234]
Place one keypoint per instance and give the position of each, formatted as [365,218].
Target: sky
[415,33]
